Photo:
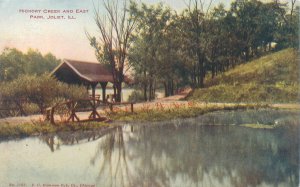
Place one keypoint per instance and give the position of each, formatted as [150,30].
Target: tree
[114,41]
[218,41]
[288,31]
[195,26]
[245,14]
[151,21]
[38,64]
[14,63]
[155,53]
[172,67]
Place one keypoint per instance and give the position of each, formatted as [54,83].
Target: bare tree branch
[115,30]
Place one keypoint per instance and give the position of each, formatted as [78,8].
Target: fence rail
[71,109]
[12,107]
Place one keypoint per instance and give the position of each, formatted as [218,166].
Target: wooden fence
[70,110]
[12,107]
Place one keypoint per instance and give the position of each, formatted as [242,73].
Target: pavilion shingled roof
[89,71]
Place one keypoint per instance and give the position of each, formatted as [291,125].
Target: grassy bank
[150,115]
[27,129]
[190,112]
[176,113]
[23,130]
[271,79]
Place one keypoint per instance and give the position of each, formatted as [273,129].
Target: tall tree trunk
[145,92]
[201,69]
[212,71]
[115,90]
[145,85]
[119,92]
[166,89]
[247,54]
[150,89]
[194,76]
[202,73]
[172,87]
[154,89]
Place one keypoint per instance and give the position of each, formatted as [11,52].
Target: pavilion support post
[115,91]
[94,113]
[87,88]
[103,86]
[93,85]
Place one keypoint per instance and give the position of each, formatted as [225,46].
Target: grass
[175,113]
[258,126]
[23,130]
[251,92]
[271,79]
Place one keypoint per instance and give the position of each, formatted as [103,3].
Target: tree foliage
[173,49]
[14,63]
[155,54]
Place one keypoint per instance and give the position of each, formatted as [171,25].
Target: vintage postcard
[149,93]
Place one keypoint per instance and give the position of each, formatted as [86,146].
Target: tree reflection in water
[189,153]
[71,138]
[111,154]
[192,155]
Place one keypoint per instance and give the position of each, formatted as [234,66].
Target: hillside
[273,78]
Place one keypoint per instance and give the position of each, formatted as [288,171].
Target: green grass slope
[273,78]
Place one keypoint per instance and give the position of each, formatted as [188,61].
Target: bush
[27,93]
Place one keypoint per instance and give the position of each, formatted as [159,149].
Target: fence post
[111,107]
[131,106]
[52,115]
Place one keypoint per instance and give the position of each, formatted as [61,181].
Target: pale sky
[65,38]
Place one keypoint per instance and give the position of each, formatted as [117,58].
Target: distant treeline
[14,63]
[174,49]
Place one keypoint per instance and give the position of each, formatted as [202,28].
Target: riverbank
[40,128]
[164,112]
[163,109]
[158,112]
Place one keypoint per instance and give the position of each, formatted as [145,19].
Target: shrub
[29,92]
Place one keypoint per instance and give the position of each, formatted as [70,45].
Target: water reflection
[177,153]
[111,158]
[72,138]
[191,155]
[223,155]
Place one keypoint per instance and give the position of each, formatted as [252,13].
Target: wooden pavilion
[84,73]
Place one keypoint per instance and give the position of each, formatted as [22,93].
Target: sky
[65,38]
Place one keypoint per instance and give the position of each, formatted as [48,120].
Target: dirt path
[167,102]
